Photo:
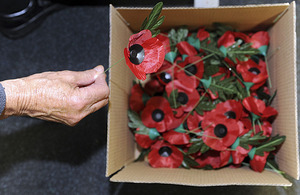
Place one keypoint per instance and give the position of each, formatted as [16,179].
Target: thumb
[88,77]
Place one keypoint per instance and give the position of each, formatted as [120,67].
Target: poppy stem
[253,126]
[197,61]
[200,99]
[276,170]
[259,124]
[114,64]
[174,100]
[233,71]
[268,71]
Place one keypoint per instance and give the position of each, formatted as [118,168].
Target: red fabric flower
[144,54]
[220,132]
[202,34]
[143,140]
[186,97]
[158,114]
[153,87]
[230,108]
[254,73]
[242,36]
[166,73]
[259,39]
[216,159]
[258,163]
[136,98]
[163,154]
[185,48]
[163,37]
[266,127]
[239,154]
[176,138]
[258,107]
[226,40]
[194,122]
[193,71]
[244,126]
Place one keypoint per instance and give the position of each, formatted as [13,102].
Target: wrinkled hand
[64,96]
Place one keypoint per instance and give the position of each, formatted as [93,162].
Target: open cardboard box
[279,20]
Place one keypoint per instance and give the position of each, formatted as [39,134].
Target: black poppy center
[254,71]
[182,98]
[190,70]
[230,114]
[165,77]
[137,54]
[220,130]
[199,125]
[185,126]
[165,151]
[158,115]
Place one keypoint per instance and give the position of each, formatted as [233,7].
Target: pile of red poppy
[208,104]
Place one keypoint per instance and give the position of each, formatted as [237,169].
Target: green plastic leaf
[195,147]
[236,143]
[173,99]
[145,98]
[170,57]
[184,56]
[189,161]
[153,133]
[263,50]
[271,98]
[194,42]
[252,153]
[254,116]
[248,85]
[270,145]
[180,129]
[153,16]
[223,50]
[134,120]
[206,82]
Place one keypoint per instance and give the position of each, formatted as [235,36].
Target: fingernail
[99,68]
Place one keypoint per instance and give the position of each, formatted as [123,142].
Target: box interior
[121,147]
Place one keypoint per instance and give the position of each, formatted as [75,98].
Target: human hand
[64,96]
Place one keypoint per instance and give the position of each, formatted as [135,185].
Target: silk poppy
[163,154]
[143,140]
[213,158]
[191,71]
[245,126]
[259,39]
[258,163]
[187,98]
[176,138]
[266,127]
[258,107]
[230,108]
[202,34]
[220,132]
[166,73]
[136,102]
[254,73]
[226,40]
[194,122]
[163,37]
[239,154]
[185,48]
[144,54]
[153,87]
[157,114]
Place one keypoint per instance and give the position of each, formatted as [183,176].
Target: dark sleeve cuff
[2,98]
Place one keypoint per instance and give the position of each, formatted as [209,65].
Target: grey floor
[39,157]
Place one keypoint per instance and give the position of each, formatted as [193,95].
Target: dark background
[39,157]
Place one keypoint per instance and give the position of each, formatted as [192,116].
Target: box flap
[282,58]
[262,16]
[141,172]
[121,149]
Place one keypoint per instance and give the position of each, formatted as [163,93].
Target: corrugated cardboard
[121,147]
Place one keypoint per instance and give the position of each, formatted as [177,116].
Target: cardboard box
[279,20]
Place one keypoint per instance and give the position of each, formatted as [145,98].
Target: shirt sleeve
[2,98]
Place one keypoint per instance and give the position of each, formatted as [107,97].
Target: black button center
[137,54]
[165,151]
[182,98]
[165,77]
[220,130]
[254,71]
[190,70]
[158,115]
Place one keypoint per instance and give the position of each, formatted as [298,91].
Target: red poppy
[163,37]
[166,73]
[258,107]
[186,97]
[144,54]
[153,87]
[254,73]
[222,70]
[266,127]
[176,138]
[194,121]
[242,36]
[259,39]
[258,163]
[220,132]
[226,40]
[239,154]
[143,140]
[136,98]
[157,114]
[185,48]
[163,154]
[202,34]
[192,73]
[230,108]
[216,159]
[245,126]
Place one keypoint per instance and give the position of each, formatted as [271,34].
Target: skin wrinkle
[65,96]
